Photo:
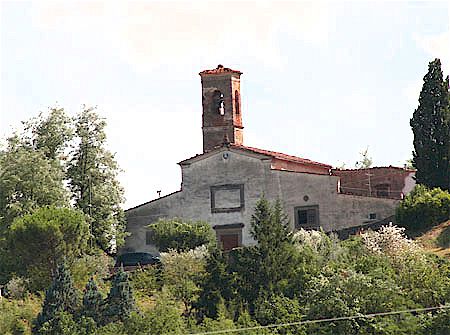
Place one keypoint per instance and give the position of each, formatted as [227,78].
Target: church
[222,184]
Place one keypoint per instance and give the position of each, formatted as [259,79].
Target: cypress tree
[431,127]
[217,286]
[120,301]
[92,301]
[60,297]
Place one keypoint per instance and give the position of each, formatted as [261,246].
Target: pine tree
[431,127]
[92,301]
[120,301]
[60,297]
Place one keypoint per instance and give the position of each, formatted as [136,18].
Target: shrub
[181,236]
[423,208]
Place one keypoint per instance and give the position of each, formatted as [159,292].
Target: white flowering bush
[390,240]
[312,238]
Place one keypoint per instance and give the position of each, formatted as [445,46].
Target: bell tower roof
[220,69]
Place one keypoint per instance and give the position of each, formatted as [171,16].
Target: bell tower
[222,114]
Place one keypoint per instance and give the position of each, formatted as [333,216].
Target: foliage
[146,281]
[50,134]
[60,297]
[41,240]
[179,235]
[278,309]
[92,302]
[96,264]
[182,273]
[365,162]
[218,284]
[275,252]
[423,208]
[164,319]
[92,173]
[16,315]
[431,127]
[28,180]
[120,301]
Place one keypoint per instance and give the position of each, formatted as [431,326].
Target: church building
[222,184]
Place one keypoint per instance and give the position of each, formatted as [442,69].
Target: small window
[372,216]
[149,237]
[307,217]
[236,102]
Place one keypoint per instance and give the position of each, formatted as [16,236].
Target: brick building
[223,183]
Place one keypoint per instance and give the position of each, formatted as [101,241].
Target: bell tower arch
[222,110]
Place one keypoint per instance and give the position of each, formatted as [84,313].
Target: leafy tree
[180,235]
[423,208]
[92,301]
[182,274]
[120,301]
[28,180]
[60,297]
[92,174]
[41,240]
[431,127]
[50,134]
[62,323]
[365,162]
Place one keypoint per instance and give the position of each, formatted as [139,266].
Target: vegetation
[423,208]
[179,235]
[431,127]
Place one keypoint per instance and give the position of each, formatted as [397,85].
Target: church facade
[222,185]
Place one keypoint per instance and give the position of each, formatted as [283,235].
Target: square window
[307,217]
[229,236]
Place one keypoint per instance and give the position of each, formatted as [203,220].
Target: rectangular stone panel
[227,198]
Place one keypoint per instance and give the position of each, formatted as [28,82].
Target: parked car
[133,260]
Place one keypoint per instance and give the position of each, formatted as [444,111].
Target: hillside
[437,240]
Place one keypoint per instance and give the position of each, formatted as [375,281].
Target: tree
[50,134]
[365,162]
[217,286]
[41,240]
[120,301]
[181,236]
[431,127]
[92,174]
[270,227]
[60,297]
[28,180]
[92,301]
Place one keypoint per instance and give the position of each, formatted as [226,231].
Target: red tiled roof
[220,69]
[281,156]
[274,154]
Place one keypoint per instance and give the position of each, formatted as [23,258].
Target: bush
[181,236]
[423,208]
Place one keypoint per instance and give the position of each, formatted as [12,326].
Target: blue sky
[322,80]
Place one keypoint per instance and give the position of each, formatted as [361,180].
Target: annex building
[223,183]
